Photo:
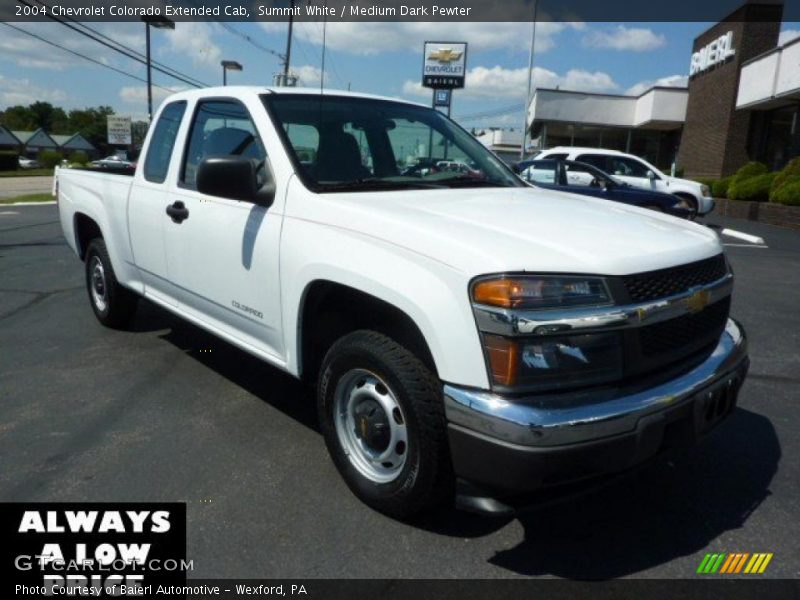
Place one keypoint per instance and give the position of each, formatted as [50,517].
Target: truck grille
[685,334]
[653,285]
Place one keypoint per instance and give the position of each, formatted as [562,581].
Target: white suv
[636,172]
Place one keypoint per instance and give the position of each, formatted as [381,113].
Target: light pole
[528,93]
[229,65]
[158,23]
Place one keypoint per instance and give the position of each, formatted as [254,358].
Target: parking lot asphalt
[167,412]
[18,186]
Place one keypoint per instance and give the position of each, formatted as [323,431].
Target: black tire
[113,304]
[691,202]
[425,479]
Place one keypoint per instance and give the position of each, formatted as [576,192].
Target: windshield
[356,144]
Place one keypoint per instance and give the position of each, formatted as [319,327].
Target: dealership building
[742,103]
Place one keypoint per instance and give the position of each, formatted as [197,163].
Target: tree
[91,123]
[18,118]
[51,119]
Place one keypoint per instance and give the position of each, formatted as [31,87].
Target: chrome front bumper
[573,418]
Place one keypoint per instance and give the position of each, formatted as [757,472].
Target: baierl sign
[718,51]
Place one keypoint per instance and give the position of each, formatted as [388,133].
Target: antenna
[324,40]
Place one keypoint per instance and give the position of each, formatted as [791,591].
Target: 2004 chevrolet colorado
[461,328]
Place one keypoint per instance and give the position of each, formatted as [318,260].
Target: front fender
[433,294]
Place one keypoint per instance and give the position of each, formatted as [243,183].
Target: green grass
[46,197]
[26,173]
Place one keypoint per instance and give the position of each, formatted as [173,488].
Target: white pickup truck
[468,334]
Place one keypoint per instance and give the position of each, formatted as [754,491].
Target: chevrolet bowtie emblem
[444,55]
[698,301]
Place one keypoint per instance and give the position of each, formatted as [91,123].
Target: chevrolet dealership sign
[714,53]
[445,65]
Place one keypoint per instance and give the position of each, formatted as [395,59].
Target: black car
[580,178]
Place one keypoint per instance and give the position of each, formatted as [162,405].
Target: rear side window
[156,163]
[596,160]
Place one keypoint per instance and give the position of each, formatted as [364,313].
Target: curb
[769,213]
[48,202]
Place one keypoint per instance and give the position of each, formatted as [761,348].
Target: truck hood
[490,230]
[685,182]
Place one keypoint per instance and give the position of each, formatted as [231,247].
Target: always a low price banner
[93,549]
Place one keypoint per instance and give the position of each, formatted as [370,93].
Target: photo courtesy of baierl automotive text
[324,298]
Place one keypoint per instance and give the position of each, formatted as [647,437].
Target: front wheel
[113,304]
[689,203]
[382,416]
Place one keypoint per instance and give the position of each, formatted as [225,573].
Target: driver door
[223,257]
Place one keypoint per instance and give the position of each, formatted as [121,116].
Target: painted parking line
[753,239]
[9,212]
[745,245]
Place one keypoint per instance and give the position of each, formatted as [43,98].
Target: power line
[121,45]
[140,54]
[90,59]
[231,29]
[498,112]
[129,54]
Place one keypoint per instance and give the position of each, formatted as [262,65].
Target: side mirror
[651,175]
[235,178]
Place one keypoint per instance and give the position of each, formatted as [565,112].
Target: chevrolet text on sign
[445,65]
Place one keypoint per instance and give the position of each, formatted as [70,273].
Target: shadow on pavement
[271,385]
[669,509]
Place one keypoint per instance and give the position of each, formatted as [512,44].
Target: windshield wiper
[466,180]
[375,183]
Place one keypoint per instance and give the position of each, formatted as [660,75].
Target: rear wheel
[382,416]
[113,304]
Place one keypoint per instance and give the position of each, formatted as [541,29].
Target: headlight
[552,363]
[540,291]
[705,190]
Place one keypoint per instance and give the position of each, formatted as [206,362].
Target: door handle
[178,212]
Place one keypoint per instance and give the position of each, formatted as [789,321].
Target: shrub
[709,181]
[50,158]
[789,173]
[749,170]
[754,188]
[79,157]
[788,193]
[8,160]
[719,189]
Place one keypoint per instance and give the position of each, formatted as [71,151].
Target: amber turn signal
[503,355]
[497,292]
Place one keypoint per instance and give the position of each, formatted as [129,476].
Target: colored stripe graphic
[703,563]
[764,564]
[741,562]
[724,563]
[732,558]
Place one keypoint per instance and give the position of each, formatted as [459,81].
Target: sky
[380,58]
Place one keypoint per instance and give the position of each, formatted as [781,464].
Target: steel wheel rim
[370,425]
[97,284]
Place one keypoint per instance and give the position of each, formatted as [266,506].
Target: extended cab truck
[460,329]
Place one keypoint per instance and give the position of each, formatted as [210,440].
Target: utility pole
[528,93]
[288,56]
